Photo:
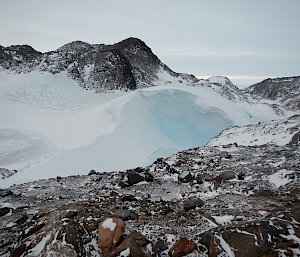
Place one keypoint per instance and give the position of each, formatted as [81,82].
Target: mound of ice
[118,131]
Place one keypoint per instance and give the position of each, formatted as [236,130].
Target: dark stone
[136,242]
[22,219]
[34,229]
[17,252]
[92,172]
[161,245]
[192,203]
[4,211]
[295,211]
[74,233]
[227,175]
[58,178]
[5,192]
[264,193]
[71,214]
[125,214]
[122,184]
[148,177]
[128,198]
[134,177]
[295,139]
[241,176]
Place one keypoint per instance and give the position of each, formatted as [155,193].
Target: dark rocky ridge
[131,64]
[286,90]
[126,65]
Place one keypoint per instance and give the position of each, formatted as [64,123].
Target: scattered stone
[18,252]
[136,242]
[22,219]
[128,198]
[125,214]
[73,236]
[295,211]
[90,225]
[264,193]
[192,203]
[71,214]
[110,231]
[182,247]
[5,192]
[4,211]
[159,246]
[148,177]
[134,177]
[227,175]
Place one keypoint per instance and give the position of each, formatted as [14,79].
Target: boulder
[295,211]
[192,203]
[182,247]
[4,211]
[125,214]
[264,193]
[110,231]
[133,244]
[73,235]
[134,177]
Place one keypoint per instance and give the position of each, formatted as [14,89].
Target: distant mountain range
[131,64]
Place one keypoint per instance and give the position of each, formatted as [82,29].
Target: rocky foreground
[210,201]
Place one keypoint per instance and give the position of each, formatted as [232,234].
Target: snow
[225,246]
[125,253]
[223,220]
[278,132]
[58,129]
[109,223]
[36,251]
[280,178]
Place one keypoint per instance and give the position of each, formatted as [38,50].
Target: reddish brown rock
[182,247]
[110,231]
[18,251]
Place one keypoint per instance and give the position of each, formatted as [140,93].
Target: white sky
[244,40]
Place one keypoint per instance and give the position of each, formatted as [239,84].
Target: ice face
[183,121]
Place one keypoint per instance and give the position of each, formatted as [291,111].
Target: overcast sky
[244,40]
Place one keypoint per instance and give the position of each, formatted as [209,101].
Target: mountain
[219,171]
[57,127]
[126,65]
[283,91]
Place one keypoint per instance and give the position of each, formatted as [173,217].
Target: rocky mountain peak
[285,90]
[75,46]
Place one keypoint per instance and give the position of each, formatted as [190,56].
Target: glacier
[66,130]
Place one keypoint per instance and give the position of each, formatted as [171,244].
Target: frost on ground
[242,209]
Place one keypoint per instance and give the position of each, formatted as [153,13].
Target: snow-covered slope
[279,132]
[111,131]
